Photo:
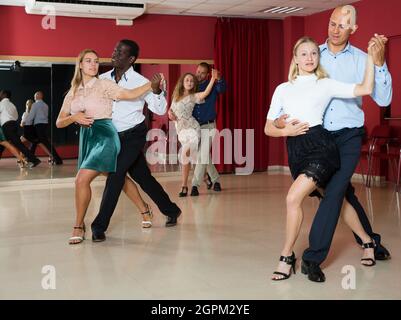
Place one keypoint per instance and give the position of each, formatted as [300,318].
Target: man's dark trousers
[349,142]
[132,160]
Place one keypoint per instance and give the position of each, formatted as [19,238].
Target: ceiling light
[282,10]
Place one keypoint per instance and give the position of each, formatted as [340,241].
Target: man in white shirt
[8,121]
[129,120]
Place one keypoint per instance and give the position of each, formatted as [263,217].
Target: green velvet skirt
[2,137]
[99,146]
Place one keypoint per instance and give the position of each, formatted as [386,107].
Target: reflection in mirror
[53,80]
[19,83]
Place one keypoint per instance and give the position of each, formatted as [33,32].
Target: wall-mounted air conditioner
[120,10]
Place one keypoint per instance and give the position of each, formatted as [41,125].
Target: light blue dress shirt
[349,66]
[39,113]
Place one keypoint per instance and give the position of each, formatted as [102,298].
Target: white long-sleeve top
[306,98]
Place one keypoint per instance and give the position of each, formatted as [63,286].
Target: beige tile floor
[10,174]
[225,246]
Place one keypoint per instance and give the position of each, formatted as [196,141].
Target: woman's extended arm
[366,87]
[131,94]
[202,95]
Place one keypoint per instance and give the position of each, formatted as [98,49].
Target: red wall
[180,37]
[159,36]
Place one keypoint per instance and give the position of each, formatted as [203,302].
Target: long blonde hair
[294,71]
[179,87]
[28,105]
[77,78]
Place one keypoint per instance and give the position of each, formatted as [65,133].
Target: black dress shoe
[381,253]
[98,236]
[34,163]
[217,186]
[172,221]
[194,192]
[312,269]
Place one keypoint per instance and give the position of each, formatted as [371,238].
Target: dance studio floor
[225,247]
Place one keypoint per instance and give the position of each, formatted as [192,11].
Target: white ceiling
[221,8]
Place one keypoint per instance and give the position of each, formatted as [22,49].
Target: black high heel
[184,192]
[290,260]
[208,181]
[369,245]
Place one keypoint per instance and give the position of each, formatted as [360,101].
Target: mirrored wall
[53,79]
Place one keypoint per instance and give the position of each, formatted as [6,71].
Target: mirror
[53,79]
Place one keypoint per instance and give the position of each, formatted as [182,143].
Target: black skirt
[30,133]
[314,154]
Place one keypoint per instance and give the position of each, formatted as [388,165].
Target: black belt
[206,122]
[122,134]
[343,130]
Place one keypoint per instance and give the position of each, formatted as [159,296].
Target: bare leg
[46,150]
[132,192]
[83,194]
[351,219]
[14,151]
[186,166]
[300,188]
[185,174]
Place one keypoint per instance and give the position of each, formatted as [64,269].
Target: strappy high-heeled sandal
[368,245]
[149,213]
[184,192]
[22,163]
[290,260]
[77,239]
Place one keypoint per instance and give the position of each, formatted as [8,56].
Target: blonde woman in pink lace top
[89,103]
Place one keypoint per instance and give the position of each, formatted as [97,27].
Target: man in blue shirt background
[345,119]
[205,114]
[39,117]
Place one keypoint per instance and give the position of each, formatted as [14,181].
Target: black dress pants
[349,143]
[132,160]
[10,129]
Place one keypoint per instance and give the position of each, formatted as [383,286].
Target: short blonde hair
[294,71]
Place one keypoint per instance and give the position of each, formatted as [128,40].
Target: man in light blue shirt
[39,116]
[344,118]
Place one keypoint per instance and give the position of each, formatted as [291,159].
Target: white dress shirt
[8,111]
[129,113]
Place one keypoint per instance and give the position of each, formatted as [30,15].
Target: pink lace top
[95,99]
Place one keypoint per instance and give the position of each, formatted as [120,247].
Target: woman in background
[183,102]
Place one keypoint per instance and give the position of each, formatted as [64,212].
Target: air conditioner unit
[121,10]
